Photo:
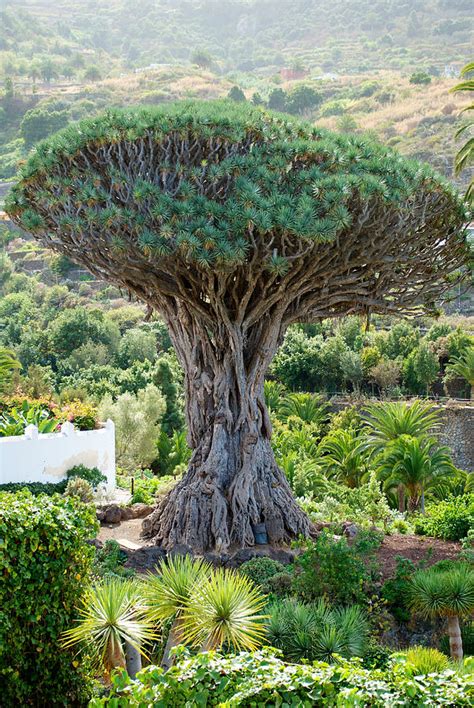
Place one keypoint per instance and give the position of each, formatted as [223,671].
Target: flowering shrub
[260,678]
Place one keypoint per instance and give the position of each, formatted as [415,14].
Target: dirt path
[128,530]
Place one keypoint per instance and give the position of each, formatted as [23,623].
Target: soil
[128,530]
[415,548]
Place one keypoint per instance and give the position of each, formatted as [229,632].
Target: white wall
[34,457]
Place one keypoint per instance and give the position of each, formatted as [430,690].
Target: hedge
[262,679]
[45,562]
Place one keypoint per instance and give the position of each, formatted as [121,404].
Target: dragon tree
[233,224]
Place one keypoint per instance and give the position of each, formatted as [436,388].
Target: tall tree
[234,224]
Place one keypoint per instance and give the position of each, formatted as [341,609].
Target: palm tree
[225,609]
[344,457]
[445,593]
[168,594]
[384,422]
[465,156]
[8,364]
[274,394]
[113,625]
[463,366]
[416,465]
[308,407]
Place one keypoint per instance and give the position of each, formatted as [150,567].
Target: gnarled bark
[233,481]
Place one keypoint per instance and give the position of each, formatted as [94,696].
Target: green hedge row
[45,565]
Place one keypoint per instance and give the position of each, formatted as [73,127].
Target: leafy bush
[80,488]
[35,488]
[83,415]
[450,520]
[90,474]
[259,678]
[395,590]
[109,561]
[422,660]
[261,571]
[334,569]
[45,562]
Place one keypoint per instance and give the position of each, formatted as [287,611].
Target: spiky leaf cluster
[217,186]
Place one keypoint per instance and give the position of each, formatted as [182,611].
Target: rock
[113,514]
[349,529]
[100,513]
[282,555]
[145,558]
[139,511]
[181,550]
[126,513]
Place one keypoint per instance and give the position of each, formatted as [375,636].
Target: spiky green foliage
[112,613]
[308,407]
[463,366]
[386,421]
[417,464]
[443,593]
[465,156]
[422,660]
[169,590]
[343,456]
[8,364]
[317,632]
[211,184]
[225,609]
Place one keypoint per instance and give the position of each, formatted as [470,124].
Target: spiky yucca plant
[112,619]
[317,632]
[445,593]
[168,593]
[225,610]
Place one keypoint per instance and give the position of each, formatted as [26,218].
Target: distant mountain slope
[342,35]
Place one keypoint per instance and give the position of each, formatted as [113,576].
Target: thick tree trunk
[233,481]
[455,640]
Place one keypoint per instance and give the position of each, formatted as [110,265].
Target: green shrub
[395,590]
[109,561]
[80,488]
[334,569]
[450,520]
[90,474]
[35,488]
[422,660]
[45,563]
[261,571]
[261,679]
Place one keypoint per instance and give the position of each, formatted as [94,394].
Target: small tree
[137,428]
[235,224]
[277,100]
[426,366]
[449,594]
[202,58]
[92,73]
[386,375]
[236,94]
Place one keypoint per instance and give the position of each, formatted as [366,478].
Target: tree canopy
[342,224]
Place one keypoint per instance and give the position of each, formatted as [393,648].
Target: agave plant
[417,466]
[317,632]
[445,593]
[113,625]
[225,609]
[168,594]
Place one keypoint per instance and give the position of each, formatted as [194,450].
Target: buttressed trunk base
[233,481]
